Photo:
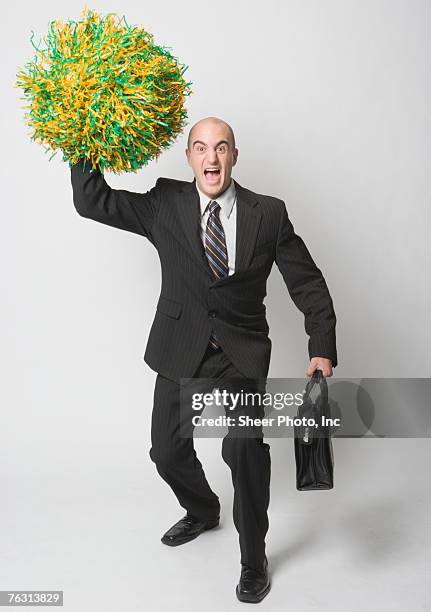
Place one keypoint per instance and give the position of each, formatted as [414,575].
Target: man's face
[211,156]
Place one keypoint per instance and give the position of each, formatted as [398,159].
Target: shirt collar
[226,199]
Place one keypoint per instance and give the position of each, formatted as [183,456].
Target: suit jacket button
[212,314]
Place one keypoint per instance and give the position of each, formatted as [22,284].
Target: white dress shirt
[227,201]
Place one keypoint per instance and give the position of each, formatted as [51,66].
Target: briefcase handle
[304,432]
[317,378]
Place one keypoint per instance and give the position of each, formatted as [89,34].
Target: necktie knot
[214,207]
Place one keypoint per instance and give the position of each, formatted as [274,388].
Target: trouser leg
[175,457]
[248,458]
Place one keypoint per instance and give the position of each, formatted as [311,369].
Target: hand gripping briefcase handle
[310,409]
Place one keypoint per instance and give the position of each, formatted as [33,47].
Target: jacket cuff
[84,166]
[323,345]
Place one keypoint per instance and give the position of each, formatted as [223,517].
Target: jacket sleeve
[308,290]
[95,199]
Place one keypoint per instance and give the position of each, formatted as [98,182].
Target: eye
[222,148]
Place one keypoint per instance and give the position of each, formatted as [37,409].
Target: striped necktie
[215,250]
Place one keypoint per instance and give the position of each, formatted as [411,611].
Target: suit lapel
[248,217]
[189,214]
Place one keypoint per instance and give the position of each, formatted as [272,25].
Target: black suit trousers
[243,450]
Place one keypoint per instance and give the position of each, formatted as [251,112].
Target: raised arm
[308,290]
[95,199]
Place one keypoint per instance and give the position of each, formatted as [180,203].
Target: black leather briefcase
[313,446]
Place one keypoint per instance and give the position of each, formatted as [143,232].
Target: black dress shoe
[188,528]
[253,584]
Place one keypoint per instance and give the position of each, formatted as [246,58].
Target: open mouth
[212,175]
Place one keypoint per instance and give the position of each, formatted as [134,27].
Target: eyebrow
[219,143]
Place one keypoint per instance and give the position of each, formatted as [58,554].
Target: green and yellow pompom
[103,90]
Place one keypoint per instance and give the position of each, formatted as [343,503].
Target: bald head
[212,153]
[208,121]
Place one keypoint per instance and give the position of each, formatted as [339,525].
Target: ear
[235,156]
[188,155]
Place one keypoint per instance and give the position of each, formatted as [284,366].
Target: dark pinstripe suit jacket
[191,302]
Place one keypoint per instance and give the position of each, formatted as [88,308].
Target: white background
[330,104]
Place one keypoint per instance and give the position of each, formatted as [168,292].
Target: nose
[212,156]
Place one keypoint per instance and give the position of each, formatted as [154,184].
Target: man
[217,242]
